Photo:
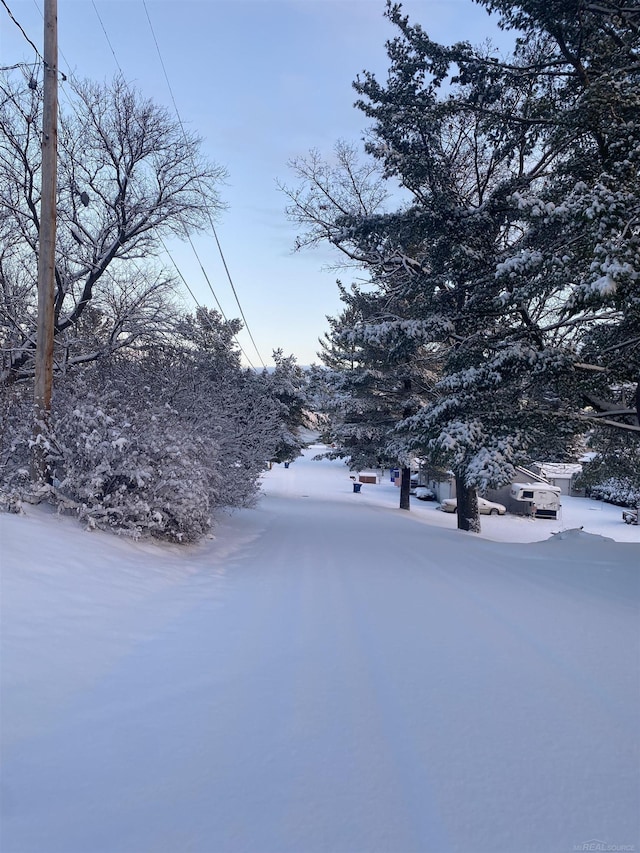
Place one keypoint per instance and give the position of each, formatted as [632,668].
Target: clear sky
[261,81]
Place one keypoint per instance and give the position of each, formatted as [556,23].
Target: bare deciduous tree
[129,175]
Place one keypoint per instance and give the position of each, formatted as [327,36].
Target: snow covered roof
[540,487]
[559,469]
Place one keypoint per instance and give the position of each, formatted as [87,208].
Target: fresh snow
[328,673]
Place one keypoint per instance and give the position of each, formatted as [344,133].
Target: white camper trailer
[543,500]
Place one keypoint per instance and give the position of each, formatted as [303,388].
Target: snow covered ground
[327,674]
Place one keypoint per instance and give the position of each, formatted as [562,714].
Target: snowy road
[349,680]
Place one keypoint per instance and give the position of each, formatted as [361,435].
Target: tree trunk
[405,486]
[468,516]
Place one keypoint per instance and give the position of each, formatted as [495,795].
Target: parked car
[424,494]
[485,507]
[630,516]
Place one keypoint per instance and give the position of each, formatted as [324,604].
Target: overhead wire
[164,246]
[17,65]
[213,228]
[21,64]
[195,252]
[106,35]
[195,299]
[193,296]
[20,27]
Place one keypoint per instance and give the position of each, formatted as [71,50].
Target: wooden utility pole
[47,243]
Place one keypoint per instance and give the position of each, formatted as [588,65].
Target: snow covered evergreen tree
[286,386]
[227,405]
[613,473]
[434,259]
[381,373]
[579,248]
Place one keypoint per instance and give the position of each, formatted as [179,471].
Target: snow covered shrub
[616,490]
[10,501]
[613,475]
[245,422]
[16,417]
[130,468]
[151,442]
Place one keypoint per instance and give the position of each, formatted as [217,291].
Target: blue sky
[261,81]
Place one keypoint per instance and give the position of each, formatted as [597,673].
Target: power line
[106,35]
[193,296]
[17,65]
[19,26]
[204,273]
[207,279]
[95,9]
[37,52]
[213,229]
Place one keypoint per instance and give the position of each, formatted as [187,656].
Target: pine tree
[459,169]
[381,374]
[286,386]
[579,249]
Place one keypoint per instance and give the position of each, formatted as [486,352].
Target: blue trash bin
[286,464]
[357,487]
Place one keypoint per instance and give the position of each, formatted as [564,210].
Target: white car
[485,507]
[425,494]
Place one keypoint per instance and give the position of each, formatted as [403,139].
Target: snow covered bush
[153,441]
[613,474]
[244,422]
[617,490]
[16,413]
[133,469]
